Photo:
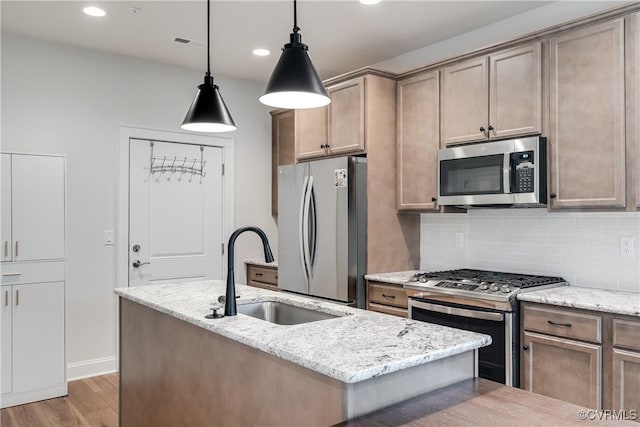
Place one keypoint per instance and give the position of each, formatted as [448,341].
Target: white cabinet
[32,207]
[32,297]
[33,334]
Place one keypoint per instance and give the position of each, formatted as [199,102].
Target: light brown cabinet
[587,118]
[387,298]
[311,133]
[347,116]
[492,97]
[583,357]
[418,141]
[562,354]
[632,58]
[262,276]
[626,365]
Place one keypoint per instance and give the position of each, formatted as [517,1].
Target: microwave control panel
[522,172]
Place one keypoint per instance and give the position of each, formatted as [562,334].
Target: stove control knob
[493,287]
[505,288]
[423,279]
[483,287]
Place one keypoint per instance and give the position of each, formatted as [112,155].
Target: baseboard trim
[91,368]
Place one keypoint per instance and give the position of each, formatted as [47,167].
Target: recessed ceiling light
[369,1]
[261,52]
[94,11]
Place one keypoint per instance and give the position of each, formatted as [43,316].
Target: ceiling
[342,35]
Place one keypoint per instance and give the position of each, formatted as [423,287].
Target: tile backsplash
[584,248]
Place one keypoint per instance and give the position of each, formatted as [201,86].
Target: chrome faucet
[230,308]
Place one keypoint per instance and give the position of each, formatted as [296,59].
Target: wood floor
[91,402]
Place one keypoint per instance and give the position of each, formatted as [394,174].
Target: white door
[37,204]
[38,346]
[5,229]
[175,212]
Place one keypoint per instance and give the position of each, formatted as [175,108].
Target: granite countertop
[397,278]
[353,348]
[618,302]
[262,263]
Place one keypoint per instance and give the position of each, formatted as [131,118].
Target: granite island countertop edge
[356,347]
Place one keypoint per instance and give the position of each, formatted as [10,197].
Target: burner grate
[514,280]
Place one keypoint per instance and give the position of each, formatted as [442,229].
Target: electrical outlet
[459,240]
[626,247]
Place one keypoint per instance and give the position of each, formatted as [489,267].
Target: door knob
[137,263]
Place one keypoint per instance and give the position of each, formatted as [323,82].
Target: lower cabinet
[583,357]
[387,298]
[33,342]
[262,276]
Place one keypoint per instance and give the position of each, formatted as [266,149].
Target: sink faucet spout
[230,308]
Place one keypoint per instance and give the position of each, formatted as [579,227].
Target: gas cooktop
[482,284]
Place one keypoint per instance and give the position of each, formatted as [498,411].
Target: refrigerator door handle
[313,240]
[306,246]
[303,226]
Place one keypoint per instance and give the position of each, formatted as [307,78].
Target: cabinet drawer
[626,334]
[264,275]
[388,295]
[17,273]
[262,285]
[563,323]
[402,312]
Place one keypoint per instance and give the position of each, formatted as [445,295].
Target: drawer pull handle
[17,297]
[566,325]
[389,296]
[6,248]
[259,274]
[16,254]
[10,274]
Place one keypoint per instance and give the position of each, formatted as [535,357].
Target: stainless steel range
[479,301]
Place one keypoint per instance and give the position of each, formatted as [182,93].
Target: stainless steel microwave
[510,172]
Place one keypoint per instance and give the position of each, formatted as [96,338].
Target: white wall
[66,100]
[584,248]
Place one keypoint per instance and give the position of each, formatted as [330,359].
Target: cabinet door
[38,207]
[563,369]
[418,140]
[282,149]
[465,102]
[626,380]
[347,116]
[632,41]
[5,230]
[5,339]
[38,336]
[515,97]
[311,133]
[586,123]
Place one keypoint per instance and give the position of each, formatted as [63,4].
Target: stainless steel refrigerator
[322,228]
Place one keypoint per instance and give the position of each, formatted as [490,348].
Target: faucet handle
[222,298]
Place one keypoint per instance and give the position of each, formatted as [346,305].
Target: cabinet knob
[525,347]
[552,195]
[481,128]
[490,127]
[433,199]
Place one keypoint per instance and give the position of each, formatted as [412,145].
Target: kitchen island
[178,368]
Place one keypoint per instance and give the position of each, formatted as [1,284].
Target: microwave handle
[506,173]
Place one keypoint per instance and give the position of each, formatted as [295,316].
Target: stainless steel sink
[282,313]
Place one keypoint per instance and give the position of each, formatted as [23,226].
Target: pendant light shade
[294,82]
[208,112]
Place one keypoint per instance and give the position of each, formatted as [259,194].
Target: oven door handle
[463,312]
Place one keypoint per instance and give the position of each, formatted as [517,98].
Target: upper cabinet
[310,133]
[32,207]
[632,47]
[418,141]
[492,97]
[347,117]
[587,118]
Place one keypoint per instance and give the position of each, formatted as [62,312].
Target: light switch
[108,237]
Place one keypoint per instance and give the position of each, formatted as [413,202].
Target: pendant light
[294,82]
[208,112]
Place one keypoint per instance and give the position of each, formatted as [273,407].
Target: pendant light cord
[295,17]
[208,38]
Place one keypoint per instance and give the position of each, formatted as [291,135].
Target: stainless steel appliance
[479,301]
[511,172]
[322,225]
